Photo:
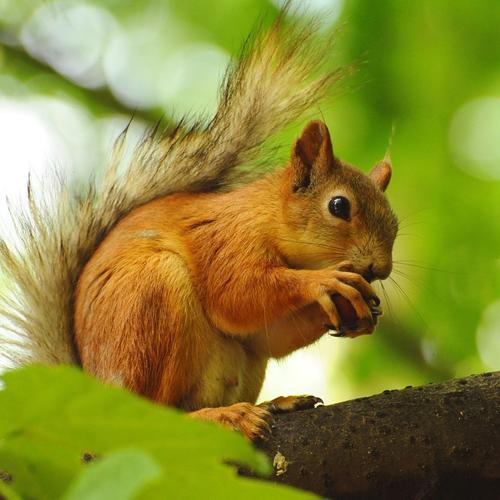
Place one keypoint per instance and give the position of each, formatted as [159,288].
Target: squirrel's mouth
[369,276]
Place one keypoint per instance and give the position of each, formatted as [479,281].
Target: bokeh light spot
[19,123]
[71,38]
[131,66]
[327,11]
[33,144]
[475,138]
[303,372]
[190,78]
[488,336]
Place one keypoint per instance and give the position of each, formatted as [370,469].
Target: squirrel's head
[335,212]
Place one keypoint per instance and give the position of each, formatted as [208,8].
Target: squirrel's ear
[381,173]
[312,154]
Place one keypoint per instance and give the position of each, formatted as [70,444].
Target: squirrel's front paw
[350,324]
[349,301]
[251,420]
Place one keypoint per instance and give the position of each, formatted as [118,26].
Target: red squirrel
[163,283]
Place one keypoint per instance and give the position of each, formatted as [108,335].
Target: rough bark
[434,442]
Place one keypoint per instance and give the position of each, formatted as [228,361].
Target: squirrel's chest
[228,374]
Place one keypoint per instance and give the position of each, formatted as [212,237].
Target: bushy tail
[267,88]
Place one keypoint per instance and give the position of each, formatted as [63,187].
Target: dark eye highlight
[340,207]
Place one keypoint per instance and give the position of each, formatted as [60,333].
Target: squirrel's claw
[333,331]
[374,305]
[284,404]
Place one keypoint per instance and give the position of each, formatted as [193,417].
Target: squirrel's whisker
[422,266]
[403,294]
[387,299]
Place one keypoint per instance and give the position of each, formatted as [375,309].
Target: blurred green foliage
[76,438]
[429,71]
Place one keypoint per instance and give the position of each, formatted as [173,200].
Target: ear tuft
[381,173]
[312,155]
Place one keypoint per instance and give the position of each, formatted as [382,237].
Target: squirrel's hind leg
[138,328]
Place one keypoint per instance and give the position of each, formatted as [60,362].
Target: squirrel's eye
[340,207]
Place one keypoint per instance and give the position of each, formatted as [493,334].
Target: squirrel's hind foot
[284,404]
[251,420]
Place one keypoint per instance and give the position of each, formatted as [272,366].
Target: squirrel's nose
[376,272]
[369,274]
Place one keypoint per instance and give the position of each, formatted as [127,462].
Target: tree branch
[21,64]
[432,442]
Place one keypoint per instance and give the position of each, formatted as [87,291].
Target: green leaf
[7,493]
[52,416]
[120,476]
